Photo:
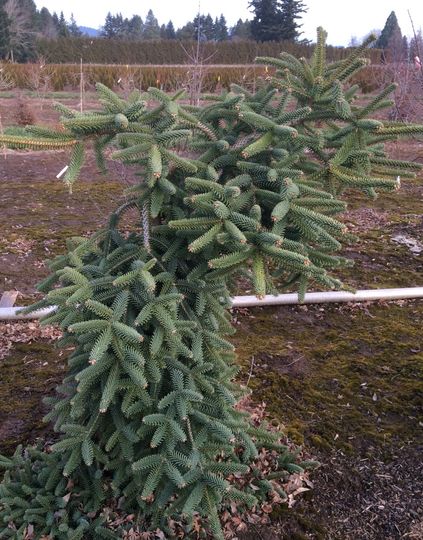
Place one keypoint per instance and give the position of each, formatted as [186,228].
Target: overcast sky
[342,19]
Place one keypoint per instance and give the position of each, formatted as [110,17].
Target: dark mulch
[365,498]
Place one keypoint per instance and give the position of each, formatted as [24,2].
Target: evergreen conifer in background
[393,44]
[292,11]
[4,31]
[145,414]
[389,31]
[265,25]
[276,20]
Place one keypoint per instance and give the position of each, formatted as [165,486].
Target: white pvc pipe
[11,313]
[331,296]
[270,300]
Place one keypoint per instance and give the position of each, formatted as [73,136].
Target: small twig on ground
[250,374]
[295,361]
[257,531]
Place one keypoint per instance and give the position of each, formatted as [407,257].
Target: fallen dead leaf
[24,332]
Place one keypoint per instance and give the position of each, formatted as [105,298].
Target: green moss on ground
[30,373]
[346,378]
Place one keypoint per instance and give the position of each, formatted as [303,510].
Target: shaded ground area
[344,380]
[28,374]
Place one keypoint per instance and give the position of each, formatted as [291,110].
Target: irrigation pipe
[12,313]
[330,297]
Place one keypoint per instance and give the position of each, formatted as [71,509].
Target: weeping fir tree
[146,412]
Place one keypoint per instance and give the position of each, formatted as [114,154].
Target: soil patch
[361,498]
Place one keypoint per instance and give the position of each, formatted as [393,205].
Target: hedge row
[60,77]
[106,51]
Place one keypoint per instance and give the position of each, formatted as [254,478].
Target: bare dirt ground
[345,381]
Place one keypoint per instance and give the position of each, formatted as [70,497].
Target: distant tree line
[203,26]
[21,24]
[26,32]
[274,20]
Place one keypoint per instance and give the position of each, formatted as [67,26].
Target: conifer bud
[121,122]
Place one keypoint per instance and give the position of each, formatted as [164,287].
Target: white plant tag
[62,172]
